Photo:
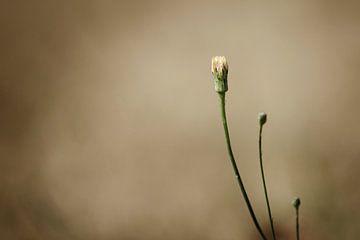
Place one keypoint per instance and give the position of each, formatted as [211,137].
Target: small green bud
[262,117]
[296,203]
[219,69]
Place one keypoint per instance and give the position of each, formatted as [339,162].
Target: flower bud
[296,203]
[262,117]
[219,69]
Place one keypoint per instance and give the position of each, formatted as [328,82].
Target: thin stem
[264,183]
[236,171]
[297,224]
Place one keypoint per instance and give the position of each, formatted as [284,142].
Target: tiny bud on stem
[296,203]
[262,117]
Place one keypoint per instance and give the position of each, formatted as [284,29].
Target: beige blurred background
[110,127]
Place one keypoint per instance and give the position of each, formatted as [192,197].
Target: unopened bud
[262,117]
[296,203]
[219,69]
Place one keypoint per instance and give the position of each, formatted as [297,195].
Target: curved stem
[264,183]
[236,171]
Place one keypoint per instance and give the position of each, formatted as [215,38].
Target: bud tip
[262,117]
[296,203]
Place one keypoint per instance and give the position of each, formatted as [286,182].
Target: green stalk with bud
[262,117]
[219,69]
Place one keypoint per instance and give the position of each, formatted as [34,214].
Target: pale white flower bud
[219,69]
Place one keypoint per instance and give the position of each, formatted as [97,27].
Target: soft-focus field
[110,127]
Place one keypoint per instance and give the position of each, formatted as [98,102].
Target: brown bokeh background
[110,127]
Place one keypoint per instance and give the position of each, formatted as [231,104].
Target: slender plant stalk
[233,162]
[297,225]
[296,203]
[264,183]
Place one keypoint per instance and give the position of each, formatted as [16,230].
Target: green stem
[233,162]
[297,224]
[264,183]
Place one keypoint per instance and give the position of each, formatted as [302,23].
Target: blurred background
[110,126]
